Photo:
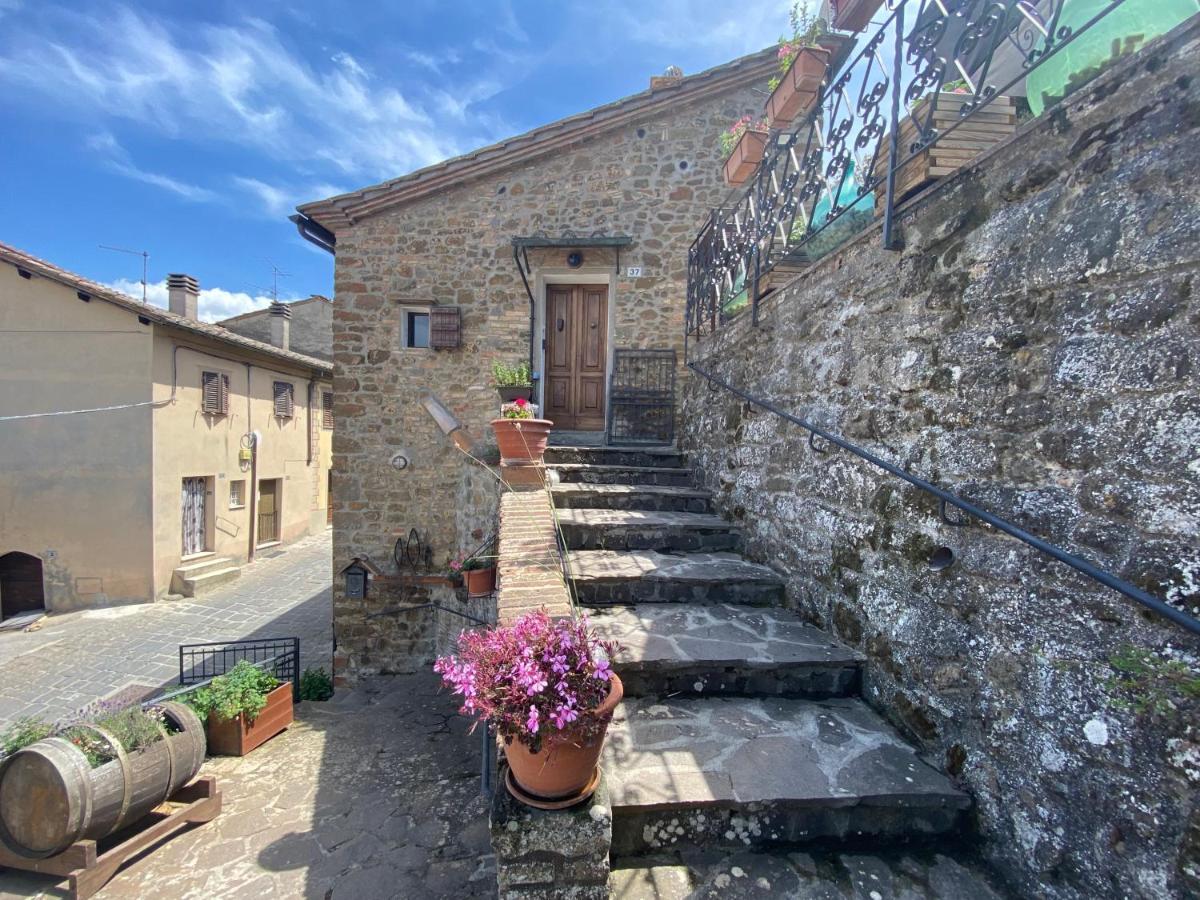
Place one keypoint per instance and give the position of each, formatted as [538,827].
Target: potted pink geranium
[547,687]
[802,66]
[520,434]
[743,145]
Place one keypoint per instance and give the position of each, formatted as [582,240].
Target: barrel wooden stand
[90,864]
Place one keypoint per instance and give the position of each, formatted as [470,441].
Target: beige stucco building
[145,452]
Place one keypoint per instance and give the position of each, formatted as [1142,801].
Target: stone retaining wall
[1034,347]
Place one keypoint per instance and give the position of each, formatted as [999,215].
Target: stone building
[145,452]
[595,214]
[311,326]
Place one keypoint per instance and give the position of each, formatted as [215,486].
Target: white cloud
[277,200]
[239,84]
[117,158]
[214,303]
[735,29]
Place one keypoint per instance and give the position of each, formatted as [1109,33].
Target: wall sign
[634,272]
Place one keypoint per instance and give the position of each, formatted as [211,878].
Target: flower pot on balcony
[746,155]
[511,392]
[238,736]
[854,15]
[983,129]
[799,87]
[522,441]
[479,582]
[565,766]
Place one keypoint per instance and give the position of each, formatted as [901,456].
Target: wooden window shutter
[214,388]
[327,409]
[283,399]
[445,332]
[224,394]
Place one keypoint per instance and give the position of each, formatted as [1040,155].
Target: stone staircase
[742,735]
[201,573]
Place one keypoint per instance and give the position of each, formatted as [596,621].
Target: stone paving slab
[77,658]
[631,496]
[637,529]
[373,795]
[725,649]
[621,474]
[818,875]
[687,568]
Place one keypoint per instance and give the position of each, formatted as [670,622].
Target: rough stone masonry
[1034,348]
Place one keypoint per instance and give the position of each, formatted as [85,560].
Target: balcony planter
[509,393]
[479,582]
[985,128]
[746,156]
[564,767]
[798,88]
[238,736]
[854,15]
[521,437]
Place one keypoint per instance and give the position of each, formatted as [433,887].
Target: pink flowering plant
[806,30]
[537,681]
[733,134]
[518,409]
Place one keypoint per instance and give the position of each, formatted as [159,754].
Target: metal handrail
[946,498]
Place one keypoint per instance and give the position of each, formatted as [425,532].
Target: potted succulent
[513,382]
[243,709]
[521,435]
[478,574]
[743,145]
[547,687]
[802,66]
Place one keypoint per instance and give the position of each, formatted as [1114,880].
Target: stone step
[819,874]
[586,473]
[637,529]
[204,582]
[746,772]
[722,649]
[616,456]
[631,496]
[603,577]
[197,566]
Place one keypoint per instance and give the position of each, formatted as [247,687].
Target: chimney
[281,324]
[183,295]
[673,75]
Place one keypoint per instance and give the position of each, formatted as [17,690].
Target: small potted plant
[513,382]
[547,688]
[243,709]
[478,574]
[802,66]
[743,145]
[521,435]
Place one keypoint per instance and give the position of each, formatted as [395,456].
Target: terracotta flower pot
[746,155]
[799,87]
[566,763]
[854,15]
[237,737]
[480,581]
[522,441]
[510,392]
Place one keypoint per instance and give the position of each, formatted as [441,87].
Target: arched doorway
[21,589]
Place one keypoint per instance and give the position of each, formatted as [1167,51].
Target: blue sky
[192,133]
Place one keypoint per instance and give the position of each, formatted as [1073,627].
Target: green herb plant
[22,733]
[512,376]
[315,684]
[240,691]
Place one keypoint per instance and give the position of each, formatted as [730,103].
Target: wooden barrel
[51,797]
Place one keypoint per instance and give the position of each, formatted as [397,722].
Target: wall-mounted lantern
[358,576]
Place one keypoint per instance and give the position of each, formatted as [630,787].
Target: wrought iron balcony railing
[934,75]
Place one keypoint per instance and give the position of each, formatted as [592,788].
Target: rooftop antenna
[144,254]
[276,274]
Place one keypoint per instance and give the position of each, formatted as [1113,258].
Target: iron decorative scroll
[817,182]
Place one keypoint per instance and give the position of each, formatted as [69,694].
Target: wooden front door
[268,511]
[576,355]
[194,523]
[21,589]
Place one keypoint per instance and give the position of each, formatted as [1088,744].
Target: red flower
[521,402]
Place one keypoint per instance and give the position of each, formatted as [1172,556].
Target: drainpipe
[253,472]
[532,307]
[308,439]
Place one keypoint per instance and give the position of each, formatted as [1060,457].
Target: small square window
[284,399]
[237,494]
[416,329]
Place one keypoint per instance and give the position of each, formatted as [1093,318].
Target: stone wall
[1034,348]
[654,180]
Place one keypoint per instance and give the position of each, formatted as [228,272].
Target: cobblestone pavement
[77,658]
[372,795]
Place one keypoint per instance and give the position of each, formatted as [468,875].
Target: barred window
[284,399]
[214,388]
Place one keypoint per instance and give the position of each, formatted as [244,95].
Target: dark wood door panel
[576,355]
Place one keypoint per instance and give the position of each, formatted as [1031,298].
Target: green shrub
[22,733]
[511,376]
[241,690]
[315,684]
[133,727]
